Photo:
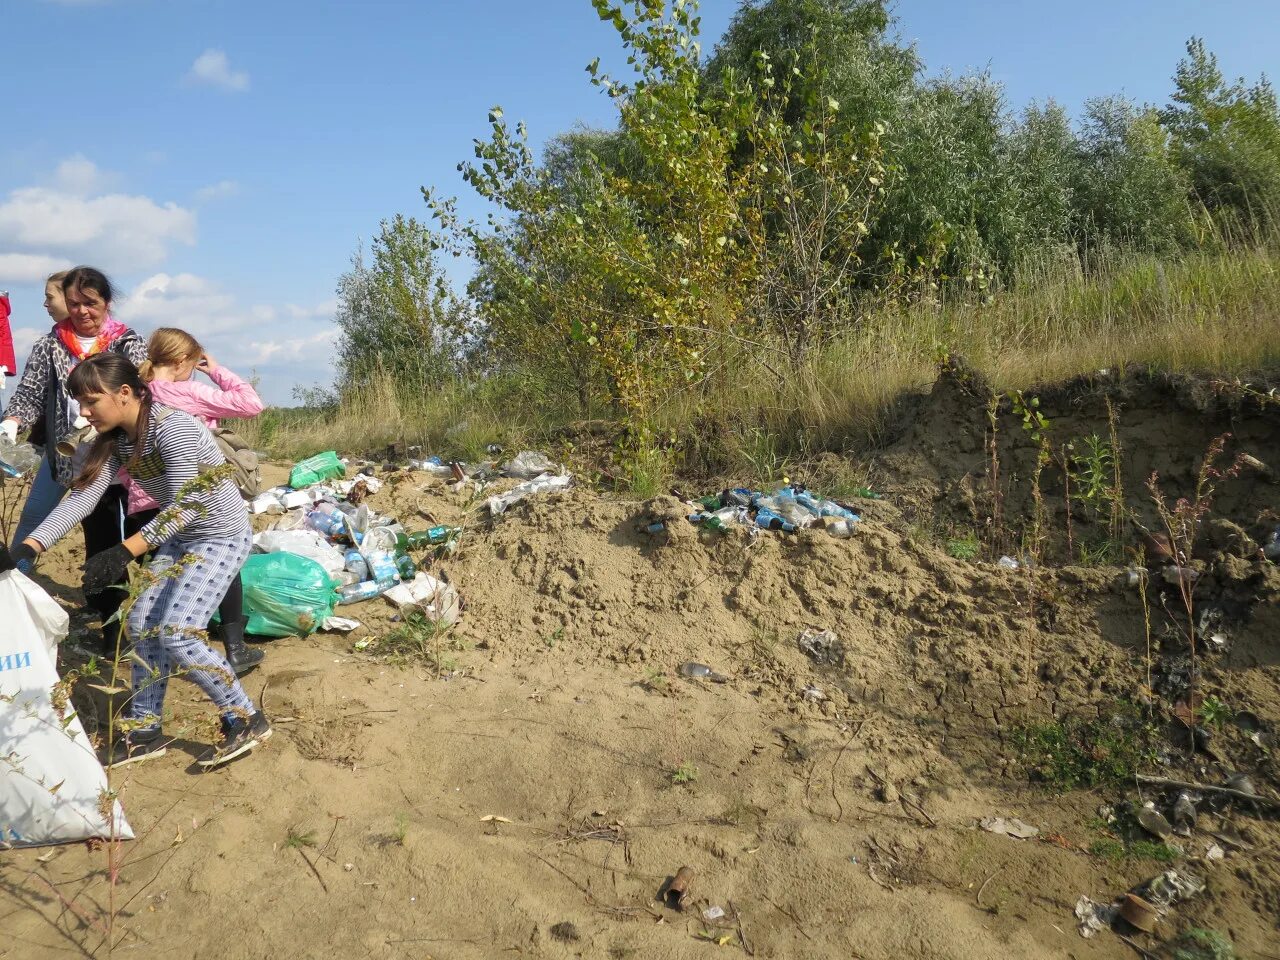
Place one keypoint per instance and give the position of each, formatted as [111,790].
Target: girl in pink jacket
[173,356]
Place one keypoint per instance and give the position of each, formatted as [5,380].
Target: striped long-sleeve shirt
[176,446]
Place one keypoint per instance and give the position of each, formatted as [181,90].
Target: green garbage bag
[317,469]
[286,595]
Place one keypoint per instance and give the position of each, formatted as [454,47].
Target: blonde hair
[168,347]
[57,278]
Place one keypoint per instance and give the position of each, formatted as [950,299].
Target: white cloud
[212,68]
[24,338]
[79,176]
[123,232]
[217,191]
[290,350]
[33,268]
[286,344]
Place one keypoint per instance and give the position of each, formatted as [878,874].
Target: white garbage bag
[51,783]
[305,543]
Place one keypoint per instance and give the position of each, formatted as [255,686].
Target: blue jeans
[46,493]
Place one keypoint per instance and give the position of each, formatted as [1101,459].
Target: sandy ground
[524,800]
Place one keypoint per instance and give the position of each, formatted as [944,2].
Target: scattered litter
[436,600]
[788,509]
[527,464]
[1271,550]
[1173,887]
[822,646]
[1184,813]
[1153,821]
[812,694]
[1214,852]
[339,624]
[1138,912]
[1007,563]
[432,465]
[1009,827]
[494,818]
[712,913]
[1092,917]
[700,671]
[542,484]
[678,890]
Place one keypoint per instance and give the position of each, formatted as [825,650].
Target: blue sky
[221,158]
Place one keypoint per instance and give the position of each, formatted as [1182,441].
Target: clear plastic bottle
[367,590]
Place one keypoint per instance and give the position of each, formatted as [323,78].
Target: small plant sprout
[684,774]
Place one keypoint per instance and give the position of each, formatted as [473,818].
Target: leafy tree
[1226,136]
[1132,191]
[396,313]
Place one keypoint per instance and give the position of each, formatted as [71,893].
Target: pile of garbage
[329,548]
[790,508]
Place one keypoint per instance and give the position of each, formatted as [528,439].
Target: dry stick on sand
[791,916]
[857,730]
[1267,802]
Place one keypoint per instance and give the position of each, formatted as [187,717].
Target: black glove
[106,569]
[19,554]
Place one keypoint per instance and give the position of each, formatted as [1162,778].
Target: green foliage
[1226,136]
[396,313]
[684,774]
[1201,944]
[965,547]
[1076,752]
[1213,712]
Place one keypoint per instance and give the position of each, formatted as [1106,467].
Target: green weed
[965,547]
[1075,752]
[684,774]
[1201,944]
[298,837]
[1213,712]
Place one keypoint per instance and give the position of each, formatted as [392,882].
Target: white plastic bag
[51,781]
[305,543]
[528,464]
[540,484]
[434,599]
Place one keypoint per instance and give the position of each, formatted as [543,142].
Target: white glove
[9,430]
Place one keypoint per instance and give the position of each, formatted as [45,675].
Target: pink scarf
[110,332]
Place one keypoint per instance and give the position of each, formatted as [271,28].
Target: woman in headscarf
[79,302]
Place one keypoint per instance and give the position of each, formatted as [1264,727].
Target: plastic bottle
[366,590]
[17,459]
[767,519]
[382,565]
[327,519]
[406,567]
[425,538]
[356,563]
[722,519]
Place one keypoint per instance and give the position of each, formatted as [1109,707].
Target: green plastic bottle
[425,538]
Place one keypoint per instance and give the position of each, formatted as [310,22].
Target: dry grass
[1208,311]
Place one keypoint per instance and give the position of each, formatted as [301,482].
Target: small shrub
[1087,753]
[964,548]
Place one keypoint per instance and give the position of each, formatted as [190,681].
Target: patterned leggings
[161,621]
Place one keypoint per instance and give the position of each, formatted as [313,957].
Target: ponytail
[146,371]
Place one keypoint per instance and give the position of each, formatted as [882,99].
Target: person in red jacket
[8,362]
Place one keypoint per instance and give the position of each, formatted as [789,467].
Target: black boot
[240,657]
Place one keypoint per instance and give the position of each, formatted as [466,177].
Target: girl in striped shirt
[206,535]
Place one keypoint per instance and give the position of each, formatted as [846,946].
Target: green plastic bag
[317,469]
[286,595]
